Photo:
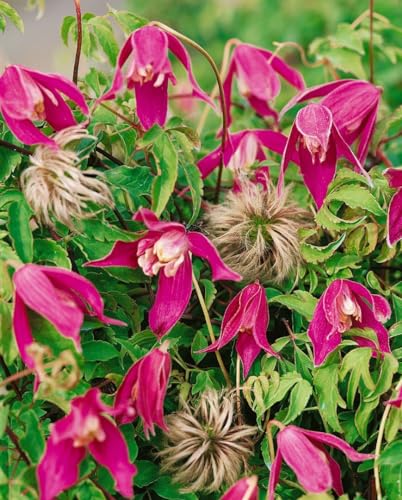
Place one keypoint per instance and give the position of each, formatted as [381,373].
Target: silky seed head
[205,448]
[54,185]
[256,232]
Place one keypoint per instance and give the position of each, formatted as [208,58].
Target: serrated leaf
[329,220]
[104,33]
[326,385]
[357,363]
[298,400]
[136,181]
[167,164]
[46,251]
[356,197]
[69,22]
[199,342]
[127,20]
[315,254]
[345,60]
[300,301]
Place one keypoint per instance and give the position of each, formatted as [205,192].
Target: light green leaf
[356,197]
[167,164]
[391,470]
[199,342]
[12,14]
[19,215]
[195,184]
[315,254]
[299,398]
[300,301]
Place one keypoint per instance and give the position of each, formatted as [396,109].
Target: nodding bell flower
[246,316]
[394,222]
[245,489]
[243,149]
[27,95]
[61,296]
[316,140]
[150,71]
[143,390]
[344,305]
[257,73]
[166,250]
[354,106]
[87,428]
[305,454]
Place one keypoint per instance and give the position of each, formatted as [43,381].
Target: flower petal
[203,248]
[125,411]
[227,89]
[369,321]
[245,489]
[248,350]
[150,48]
[291,75]
[58,113]
[152,222]
[394,176]
[152,102]
[123,254]
[209,162]
[394,221]
[26,132]
[112,453]
[261,321]
[172,297]
[22,330]
[288,153]
[274,475]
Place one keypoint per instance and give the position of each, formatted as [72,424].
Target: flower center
[91,430]
[315,148]
[167,252]
[349,310]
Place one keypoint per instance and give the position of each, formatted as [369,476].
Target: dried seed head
[205,448]
[55,186]
[256,232]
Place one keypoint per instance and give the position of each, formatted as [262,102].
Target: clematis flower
[61,296]
[344,305]
[150,72]
[305,454]
[397,400]
[143,390]
[394,222]
[354,106]
[87,428]
[247,315]
[166,249]
[245,489]
[257,72]
[27,95]
[316,140]
[243,149]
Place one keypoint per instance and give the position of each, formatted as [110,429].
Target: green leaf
[205,380]
[300,301]
[104,33]
[166,489]
[327,219]
[19,215]
[99,350]
[69,22]
[356,197]
[315,254]
[389,367]
[33,442]
[195,184]
[199,342]
[345,60]
[364,413]
[136,181]
[391,470]
[210,292]
[299,398]
[127,20]
[50,251]
[4,410]
[8,348]
[9,160]
[276,394]
[348,38]
[148,473]
[357,362]
[12,14]
[167,164]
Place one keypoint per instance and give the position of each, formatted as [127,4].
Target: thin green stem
[210,330]
[378,445]
[238,386]
[215,69]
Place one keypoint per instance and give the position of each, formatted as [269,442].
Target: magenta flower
[394,222]
[354,106]
[396,401]
[245,489]
[344,305]
[85,429]
[27,95]
[243,149]
[257,72]
[143,390]
[305,454]
[150,72]
[247,315]
[166,249]
[61,296]
[316,140]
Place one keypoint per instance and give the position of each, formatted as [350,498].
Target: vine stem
[77,4]
[210,330]
[215,69]
[238,384]
[13,147]
[14,438]
[371,44]
[378,445]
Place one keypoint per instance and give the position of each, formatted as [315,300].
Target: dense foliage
[201,290]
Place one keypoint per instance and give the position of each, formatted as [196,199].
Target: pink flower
[247,315]
[344,305]
[166,249]
[316,140]
[243,149]
[354,106]
[85,429]
[394,222]
[150,72]
[143,390]
[257,72]
[305,454]
[396,401]
[245,489]
[27,95]
[61,296]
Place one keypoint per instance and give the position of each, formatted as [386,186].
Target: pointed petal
[305,459]
[19,93]
[152,103]
[152,222]
[26,132]
[172,297]
[382,309]
[58,468]
[290,74]
[394,176]
[366,136]
[123,254]
[261,321]
[227,89]
[394,221]
[22,330]
[245,489]
[112,453]
[209,162]
[272,140]
[183,56]
[58,114]
[125,411]
[150,48]
[274,475]
[203,248]
[340,444]
[369,321]
[248,350]
[288,153]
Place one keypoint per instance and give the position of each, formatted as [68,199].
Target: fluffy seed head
[256,232]
[55,186]
[205,448]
